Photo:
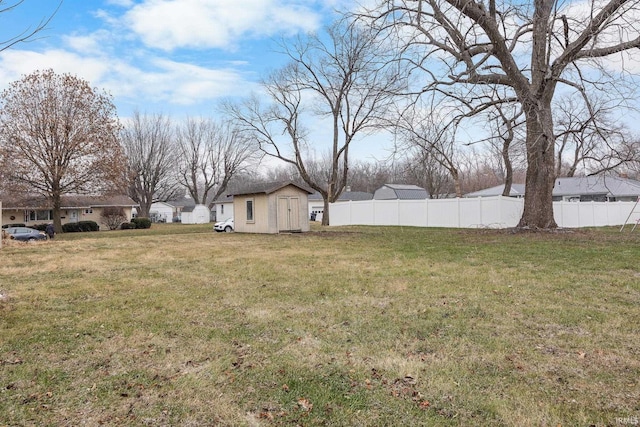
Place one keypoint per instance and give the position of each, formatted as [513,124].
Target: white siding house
[162,212]
[223,208]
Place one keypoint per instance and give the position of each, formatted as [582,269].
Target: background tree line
[474,94]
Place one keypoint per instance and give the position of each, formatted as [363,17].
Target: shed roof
[404,191]
[269,187]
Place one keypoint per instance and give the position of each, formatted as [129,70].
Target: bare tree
[30,32]
[369,176]
[210,155]
[506,123]
[468,49]
[59,136]
[589,138]
[423,134]
[344,78]
[149,145]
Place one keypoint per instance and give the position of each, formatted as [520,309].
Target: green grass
[178,325]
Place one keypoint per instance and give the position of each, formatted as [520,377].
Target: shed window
[250,210]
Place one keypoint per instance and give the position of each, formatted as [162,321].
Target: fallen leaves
[305,404]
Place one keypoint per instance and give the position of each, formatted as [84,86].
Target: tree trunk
[57,220]
[538,200]
[508,170]
[325,213]
[145,207]
[456,181]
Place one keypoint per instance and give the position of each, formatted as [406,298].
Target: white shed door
[288,213]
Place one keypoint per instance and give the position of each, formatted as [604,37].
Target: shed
[400,192]
[198,214]
[271,208]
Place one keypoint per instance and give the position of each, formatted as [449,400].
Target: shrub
[127,226]
[113,217]
[142,222]
[89,226]
[74,227]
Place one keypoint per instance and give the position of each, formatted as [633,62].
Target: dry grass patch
[354,326]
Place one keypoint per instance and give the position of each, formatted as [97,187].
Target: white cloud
[16,63]
[91,44]
[161,85]
[121,3]
[171,24]
[186,84]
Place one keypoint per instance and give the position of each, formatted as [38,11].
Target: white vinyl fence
[481,212]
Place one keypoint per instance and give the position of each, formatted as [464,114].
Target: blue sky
[177,57]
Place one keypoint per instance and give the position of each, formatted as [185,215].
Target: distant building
[36,210]
[316,203]
[223,208]
[400,192]
[517,191]
[597,188]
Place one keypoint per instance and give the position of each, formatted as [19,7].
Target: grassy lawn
[178,325]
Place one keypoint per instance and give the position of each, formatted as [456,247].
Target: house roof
[193,208]
[224,199]
[610,186]
[70,202]
[517,190]
[405,191]
[346,196]
[181,202]
[268,188]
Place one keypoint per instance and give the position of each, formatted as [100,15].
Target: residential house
[37,210]
[517,191]
[223,208]
[598,188]
[162,212]
[271,208]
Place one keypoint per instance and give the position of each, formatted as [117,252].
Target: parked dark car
[24,234]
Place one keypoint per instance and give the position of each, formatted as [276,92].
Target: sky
[176,57]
